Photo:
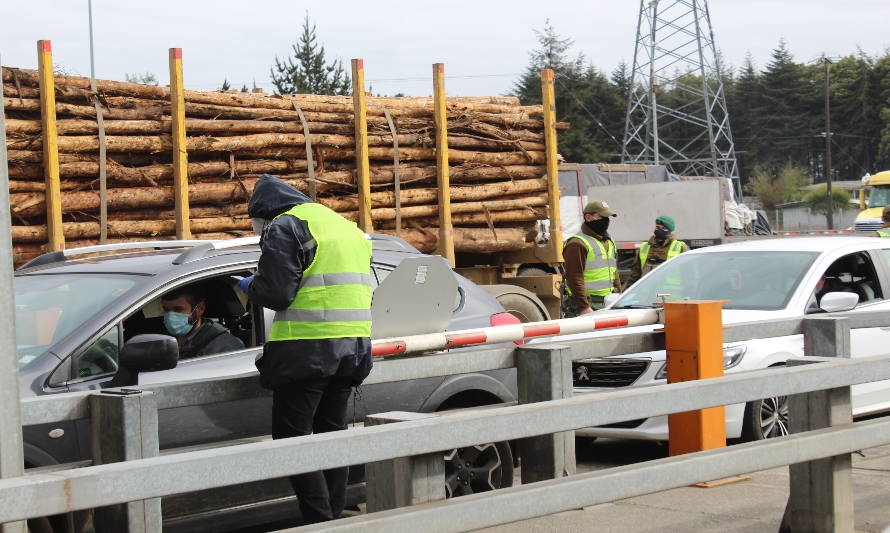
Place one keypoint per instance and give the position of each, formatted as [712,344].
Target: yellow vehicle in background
[872,198]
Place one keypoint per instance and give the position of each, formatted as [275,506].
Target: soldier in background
[660,247]
[591,270]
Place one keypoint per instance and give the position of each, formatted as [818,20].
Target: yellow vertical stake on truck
[180,154]
[362,166]
[549,101]
[445,248]
[54,231]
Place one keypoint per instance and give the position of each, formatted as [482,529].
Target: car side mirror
[150,352]
[833,302]
[611,298]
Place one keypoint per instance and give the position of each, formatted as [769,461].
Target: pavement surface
[752,506]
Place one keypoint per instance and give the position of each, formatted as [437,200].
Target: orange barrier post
[694,342]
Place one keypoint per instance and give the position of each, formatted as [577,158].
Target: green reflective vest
[334,296]
[882,233]
[599,267]
[673,251]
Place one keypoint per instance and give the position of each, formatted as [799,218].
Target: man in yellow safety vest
[884,231]
[658,249]
[315,273]
[591,271]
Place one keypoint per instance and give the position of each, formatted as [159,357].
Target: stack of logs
[496,155]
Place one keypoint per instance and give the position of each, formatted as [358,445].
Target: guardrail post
[693,338]
[821,491]
[125,427]
[406,480]
[544,374]
[12,462]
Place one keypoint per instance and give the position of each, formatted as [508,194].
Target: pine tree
[225,86]
[307,71]
[584,97]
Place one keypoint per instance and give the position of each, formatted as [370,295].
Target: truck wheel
[521,307]
[478,468]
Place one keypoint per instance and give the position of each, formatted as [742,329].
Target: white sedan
[763,280]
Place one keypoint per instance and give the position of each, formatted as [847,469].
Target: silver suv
[76,317]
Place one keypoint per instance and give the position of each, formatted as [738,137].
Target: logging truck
[471,179]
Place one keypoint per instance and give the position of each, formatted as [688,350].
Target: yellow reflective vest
[599,267]
[334,296]
[673,251]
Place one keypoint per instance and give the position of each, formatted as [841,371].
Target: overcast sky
[484,44]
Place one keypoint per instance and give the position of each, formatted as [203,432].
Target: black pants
[314,406]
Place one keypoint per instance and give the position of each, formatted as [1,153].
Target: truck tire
[521,307]
[519,302]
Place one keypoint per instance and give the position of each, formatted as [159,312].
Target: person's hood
[271,197]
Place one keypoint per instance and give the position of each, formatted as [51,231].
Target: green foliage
[774,188]
[146,78]
[584,97]
[307,70]
[817,199]
[225,86]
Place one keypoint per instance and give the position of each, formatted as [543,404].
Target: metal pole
[653,88]
[830,215]
[92,60]
[11,455]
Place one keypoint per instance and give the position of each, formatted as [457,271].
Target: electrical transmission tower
[676,109]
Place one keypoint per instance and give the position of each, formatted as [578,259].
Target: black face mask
[661,234]
[598,226]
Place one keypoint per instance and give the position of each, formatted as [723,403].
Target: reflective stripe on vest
[599,267]
[673,251]
[883,233]
[334,296]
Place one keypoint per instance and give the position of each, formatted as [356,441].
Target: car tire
[521,307]
[766,418]
[478,468]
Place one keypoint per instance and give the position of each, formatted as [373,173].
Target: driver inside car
[184,319]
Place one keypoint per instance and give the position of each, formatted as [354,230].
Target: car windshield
[49,307]
[749,280]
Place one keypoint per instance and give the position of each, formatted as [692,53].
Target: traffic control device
[694,344]
[513,332]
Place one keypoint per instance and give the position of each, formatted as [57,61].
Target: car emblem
[581,371]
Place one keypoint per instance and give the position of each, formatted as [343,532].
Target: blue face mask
[177,323]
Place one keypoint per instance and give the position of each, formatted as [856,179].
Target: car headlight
[732,356]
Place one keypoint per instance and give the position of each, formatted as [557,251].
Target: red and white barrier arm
[513,332]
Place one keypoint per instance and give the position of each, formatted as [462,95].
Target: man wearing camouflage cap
[661,246]
[590,262]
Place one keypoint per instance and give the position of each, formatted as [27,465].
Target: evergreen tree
[742,100]
[855,120]
[584,97]
[789,112]
[308,71]
[225,86]
[882,100]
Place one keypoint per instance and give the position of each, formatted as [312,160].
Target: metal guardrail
[145,479]
[42,494]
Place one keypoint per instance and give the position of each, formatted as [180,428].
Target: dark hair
[193,295]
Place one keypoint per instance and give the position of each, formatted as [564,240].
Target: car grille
[607,372]
[867,226]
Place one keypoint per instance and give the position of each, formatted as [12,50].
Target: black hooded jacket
[287,250]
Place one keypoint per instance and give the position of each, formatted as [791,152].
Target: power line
[591,115]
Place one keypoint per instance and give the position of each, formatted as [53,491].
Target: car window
[851,273]
[99,358]
[215,314]
[748,279]
[49,307]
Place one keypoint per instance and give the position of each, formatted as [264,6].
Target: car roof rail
[59,256]
[206,247]
[391,243]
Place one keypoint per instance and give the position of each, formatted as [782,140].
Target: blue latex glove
[243,283]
